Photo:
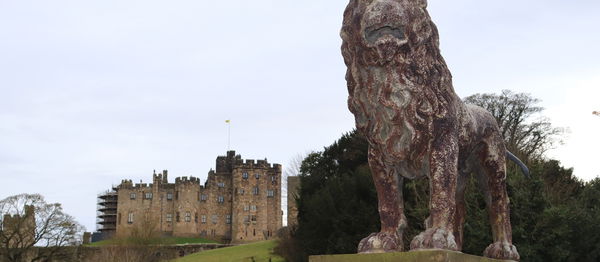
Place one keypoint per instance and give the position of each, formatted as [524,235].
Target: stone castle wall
[240,201]
[24,225]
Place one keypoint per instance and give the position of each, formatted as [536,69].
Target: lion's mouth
[373,34]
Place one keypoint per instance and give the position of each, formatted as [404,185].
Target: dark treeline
[554,215]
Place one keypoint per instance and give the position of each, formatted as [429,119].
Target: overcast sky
[93,92]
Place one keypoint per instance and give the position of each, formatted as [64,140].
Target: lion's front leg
[391,208]
[442,204]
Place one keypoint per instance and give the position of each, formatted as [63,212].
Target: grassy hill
[257,252]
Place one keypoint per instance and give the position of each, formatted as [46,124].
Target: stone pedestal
[412,256]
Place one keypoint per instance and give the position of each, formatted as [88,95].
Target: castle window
[196,217]
[253,219]
[132,196]
[245,175]
[228,219]
[221,184]
[241,191]
[130,218]
[176,195]
[255,190]
[246,208]
[203,197]
[273,178]
[148,195]
[220,199]
[119,218]
[247,219]
[257,175]
[253,208]
[169,196]
[177,217]
[270,193]
[203,219]
[188,216]
[214,219]
[169,218]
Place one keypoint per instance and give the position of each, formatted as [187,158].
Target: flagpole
[228,134]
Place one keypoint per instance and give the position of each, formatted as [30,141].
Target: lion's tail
[518,161]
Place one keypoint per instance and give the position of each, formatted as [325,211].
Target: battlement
[186,180]
[126,183]
[143,185]
[18,221]
[9,219]
[252,164]
[161,177]
[225,163]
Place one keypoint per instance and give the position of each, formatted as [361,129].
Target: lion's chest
[382,103]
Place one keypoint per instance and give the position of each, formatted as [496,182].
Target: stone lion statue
[401,94]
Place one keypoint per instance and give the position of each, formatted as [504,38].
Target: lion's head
[398,83]
[378,32]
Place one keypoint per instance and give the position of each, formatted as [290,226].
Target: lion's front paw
[380,243]
[434,238]
[502,250]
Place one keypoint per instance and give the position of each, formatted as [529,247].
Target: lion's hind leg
[460,213]
[492,180]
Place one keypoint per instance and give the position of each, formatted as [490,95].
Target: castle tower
[23,224]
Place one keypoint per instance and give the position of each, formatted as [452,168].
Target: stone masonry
[239,202]
[19,229]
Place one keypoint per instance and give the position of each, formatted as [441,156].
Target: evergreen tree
[554,215]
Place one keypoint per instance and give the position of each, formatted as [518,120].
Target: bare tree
[525,132]
[292,169]
[28,221]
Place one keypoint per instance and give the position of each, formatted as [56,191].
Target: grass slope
[257,252]
[158,241]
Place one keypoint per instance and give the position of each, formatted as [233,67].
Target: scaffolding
[106,212]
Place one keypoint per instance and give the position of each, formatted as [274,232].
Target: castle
[19,230]
[239,202]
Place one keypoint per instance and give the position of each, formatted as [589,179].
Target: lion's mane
[396,104]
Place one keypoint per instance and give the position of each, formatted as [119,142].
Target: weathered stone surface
[413,256]
[400,91]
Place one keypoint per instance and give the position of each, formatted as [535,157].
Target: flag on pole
[228,121]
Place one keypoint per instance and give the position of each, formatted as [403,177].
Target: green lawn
[257,252]
[158,241]
[187,240]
